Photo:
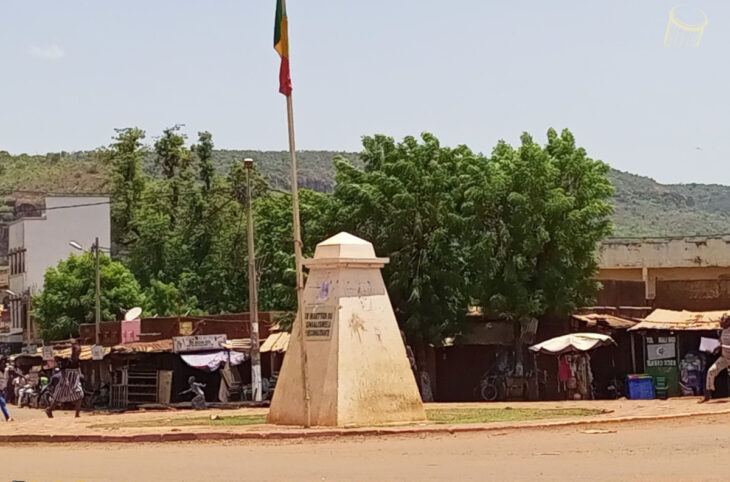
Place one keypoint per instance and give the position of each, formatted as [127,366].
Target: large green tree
[536,215]
[127,181]
[407,201]
[68,296]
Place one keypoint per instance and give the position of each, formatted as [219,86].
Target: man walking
[3,385]
[723,362]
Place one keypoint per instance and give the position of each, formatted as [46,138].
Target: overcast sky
[470,71]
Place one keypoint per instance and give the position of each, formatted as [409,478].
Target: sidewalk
[31,425]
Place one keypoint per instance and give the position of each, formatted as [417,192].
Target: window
[17,261]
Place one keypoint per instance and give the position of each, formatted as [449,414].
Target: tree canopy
[513,232]
[68,296]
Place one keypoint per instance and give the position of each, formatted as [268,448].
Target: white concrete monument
[357,368]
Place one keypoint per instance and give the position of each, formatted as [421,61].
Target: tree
[204,152]
[68,297]
[162,299]
[128,182]
[407,201]
[537,214]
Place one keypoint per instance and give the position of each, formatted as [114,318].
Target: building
[691,273]
[39,240]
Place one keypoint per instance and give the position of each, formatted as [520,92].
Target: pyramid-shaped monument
[357,369]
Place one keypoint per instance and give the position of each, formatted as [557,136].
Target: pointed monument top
[344,246]
[344,237]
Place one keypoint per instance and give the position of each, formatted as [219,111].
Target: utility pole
[28,320]
[253,293]
[97,315]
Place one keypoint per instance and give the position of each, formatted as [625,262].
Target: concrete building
[691,273]
[39,240]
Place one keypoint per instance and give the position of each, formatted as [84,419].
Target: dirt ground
[693,448]
[31,421]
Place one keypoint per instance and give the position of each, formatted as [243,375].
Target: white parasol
[573,342]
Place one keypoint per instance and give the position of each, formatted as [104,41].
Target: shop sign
[186,328]
[131,330]
[181,344]
[318,322]
[47,353]
[97,352]
[661,351]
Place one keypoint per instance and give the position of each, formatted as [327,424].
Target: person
[68,388]
[3,385]
[198,402]
[723,361]
[9,386]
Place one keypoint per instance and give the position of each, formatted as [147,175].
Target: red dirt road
[683,449]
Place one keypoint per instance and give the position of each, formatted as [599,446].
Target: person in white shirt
[723,362]
[3,385]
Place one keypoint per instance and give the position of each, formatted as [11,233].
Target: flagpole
[298,261]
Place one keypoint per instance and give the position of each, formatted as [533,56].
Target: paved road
[684,449]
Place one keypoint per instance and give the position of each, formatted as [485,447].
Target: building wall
[46,239]
[686,273]
[665,253]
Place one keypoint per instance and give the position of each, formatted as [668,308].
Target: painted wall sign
[318,322]
[661,351]
[131,331]
[186,328]
[97,352]
[47,353]
[181,344]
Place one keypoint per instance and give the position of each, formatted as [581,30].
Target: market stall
[575,376]
[671,348]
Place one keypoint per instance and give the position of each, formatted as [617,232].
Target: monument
[357,369]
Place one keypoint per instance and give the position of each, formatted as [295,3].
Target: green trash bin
[661,387]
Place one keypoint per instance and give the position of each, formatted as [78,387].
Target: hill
[642,206]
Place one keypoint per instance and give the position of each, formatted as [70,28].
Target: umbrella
[573,342]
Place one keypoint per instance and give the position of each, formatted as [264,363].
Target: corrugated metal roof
[597,319]
[159,346]
[276,342]
[681,320]
[65,353]
[238,344]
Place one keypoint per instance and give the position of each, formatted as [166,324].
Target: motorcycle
[45,397]
[28,396]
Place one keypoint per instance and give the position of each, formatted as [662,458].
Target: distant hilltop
[642,206]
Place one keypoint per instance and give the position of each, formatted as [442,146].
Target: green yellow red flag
[281,45]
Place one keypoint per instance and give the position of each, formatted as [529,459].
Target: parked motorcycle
[45,397]
[28,396]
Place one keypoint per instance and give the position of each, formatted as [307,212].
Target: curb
[327,433]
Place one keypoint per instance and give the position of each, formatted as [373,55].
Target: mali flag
[281,45]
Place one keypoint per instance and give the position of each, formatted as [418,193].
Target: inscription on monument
[318,322]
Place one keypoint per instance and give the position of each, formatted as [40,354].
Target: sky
[469,71]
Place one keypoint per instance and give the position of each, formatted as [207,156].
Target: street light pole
[256,385]
[97,295]
[28,320]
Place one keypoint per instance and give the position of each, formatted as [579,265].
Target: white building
[40,240]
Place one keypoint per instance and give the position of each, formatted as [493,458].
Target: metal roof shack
[234,326]
[683,320]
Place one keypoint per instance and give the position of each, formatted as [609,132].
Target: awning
[159,346]
[65,353]
[597,319]
[681,320]
[238,344]
[571,343]
[276,342]
[212,360]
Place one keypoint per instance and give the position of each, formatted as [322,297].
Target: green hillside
[643,207]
